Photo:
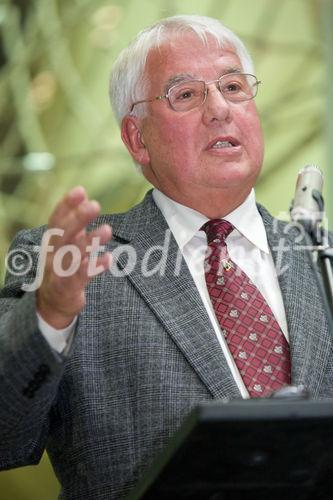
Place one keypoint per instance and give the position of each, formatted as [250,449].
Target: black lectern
[262,449]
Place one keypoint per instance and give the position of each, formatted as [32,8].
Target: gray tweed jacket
[144,354]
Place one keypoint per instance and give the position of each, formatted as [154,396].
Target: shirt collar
[185,222]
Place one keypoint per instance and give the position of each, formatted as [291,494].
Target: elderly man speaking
[125,322]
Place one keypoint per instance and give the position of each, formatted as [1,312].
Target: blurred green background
[57,129]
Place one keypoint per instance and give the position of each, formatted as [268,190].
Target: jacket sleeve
[30,371]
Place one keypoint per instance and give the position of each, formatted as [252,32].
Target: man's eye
[233,87]
[183,95]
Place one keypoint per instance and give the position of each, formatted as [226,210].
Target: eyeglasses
[184,96]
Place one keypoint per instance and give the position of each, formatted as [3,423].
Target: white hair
[127,83]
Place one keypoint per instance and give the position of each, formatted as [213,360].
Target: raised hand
[61,295]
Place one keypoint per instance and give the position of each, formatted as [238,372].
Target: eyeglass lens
[234,87]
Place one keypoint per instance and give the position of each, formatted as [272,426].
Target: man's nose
[216,106]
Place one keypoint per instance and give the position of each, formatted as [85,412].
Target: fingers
[73,257]
[68,224]
[72,199]
[72,215]
[94,259]
[101,235]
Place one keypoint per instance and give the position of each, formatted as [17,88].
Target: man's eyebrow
[235,69]
[173,80]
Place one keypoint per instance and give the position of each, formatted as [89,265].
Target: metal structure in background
[57,130]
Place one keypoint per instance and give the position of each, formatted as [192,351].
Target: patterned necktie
[254,338]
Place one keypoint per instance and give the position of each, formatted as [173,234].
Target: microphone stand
[314,236]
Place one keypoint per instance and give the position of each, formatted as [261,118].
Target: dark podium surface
[256,449]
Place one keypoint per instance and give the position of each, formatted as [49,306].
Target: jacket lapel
[310,340]
[165,283]
[167,287]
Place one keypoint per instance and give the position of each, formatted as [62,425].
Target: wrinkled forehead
[187,53]
[186,44]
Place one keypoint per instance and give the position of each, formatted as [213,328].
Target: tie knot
[217,229]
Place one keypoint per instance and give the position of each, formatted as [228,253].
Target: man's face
[183,158]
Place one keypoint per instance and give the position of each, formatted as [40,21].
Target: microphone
[308,205]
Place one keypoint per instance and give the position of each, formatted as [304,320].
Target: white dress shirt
[247,246]
[59,340]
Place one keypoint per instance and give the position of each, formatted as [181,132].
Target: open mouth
[222,143]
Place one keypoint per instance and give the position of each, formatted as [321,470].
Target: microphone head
[311,171]
[307,207]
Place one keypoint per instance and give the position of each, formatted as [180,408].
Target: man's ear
[132,138]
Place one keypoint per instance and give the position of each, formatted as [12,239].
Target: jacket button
[34,384]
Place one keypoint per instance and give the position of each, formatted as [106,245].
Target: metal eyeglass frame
[219,80]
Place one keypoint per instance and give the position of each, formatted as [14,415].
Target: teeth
[222,144]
